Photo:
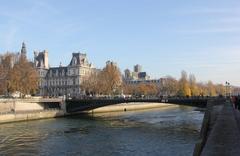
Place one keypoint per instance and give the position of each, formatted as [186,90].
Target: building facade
[62,80]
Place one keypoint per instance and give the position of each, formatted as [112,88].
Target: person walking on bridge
[234,102]
[237,103]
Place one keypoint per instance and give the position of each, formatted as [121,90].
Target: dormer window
[74,61]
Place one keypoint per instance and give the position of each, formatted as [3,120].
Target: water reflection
[169,131]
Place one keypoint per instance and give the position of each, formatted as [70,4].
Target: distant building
[128,74]
[24,50]
[140,77]
[62,80]
[137,68]
[137,74]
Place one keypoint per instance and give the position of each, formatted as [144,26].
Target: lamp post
[228,91]
[229,88]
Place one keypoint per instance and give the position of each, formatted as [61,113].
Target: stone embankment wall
[12,110]
[25,106]
[13,105]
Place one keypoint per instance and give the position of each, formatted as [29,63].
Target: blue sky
[165,37]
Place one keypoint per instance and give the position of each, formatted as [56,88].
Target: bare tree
[91,84]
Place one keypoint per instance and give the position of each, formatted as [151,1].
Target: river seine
[169,131]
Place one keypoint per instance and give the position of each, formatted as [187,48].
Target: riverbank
[54,113]
[128,107]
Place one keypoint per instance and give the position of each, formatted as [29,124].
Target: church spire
[23,50]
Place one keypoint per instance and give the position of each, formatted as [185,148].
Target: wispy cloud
[208,11]
[9,37]
[30,14]
[210,30]
[202,20]
[229,20]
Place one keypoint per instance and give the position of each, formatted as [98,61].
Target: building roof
[62,71]
[78,59]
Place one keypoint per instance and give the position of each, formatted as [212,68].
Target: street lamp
[227,85]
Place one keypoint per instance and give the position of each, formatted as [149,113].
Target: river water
[169,131]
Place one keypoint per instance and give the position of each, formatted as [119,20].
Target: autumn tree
[203,90]
[194,90]
[169,86]
[111,79]
[146,89]
[184,89]
[108,81]
[23,78]
[152,89]
[6,65]
[220,89]
[2,78]
[128,89]
[211,89]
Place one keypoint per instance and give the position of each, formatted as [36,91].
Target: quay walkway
[220,131]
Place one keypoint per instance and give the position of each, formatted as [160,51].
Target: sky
[164,36]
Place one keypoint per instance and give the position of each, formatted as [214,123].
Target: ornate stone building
[41,64]
[59,81]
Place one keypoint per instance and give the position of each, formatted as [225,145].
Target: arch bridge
[78,105]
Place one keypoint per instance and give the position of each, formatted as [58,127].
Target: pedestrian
[238,103]
[234,102]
